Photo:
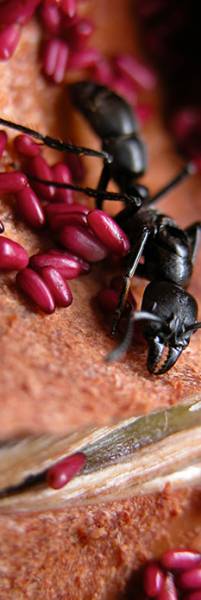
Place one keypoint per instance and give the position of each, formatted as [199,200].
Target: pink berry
[83,59]
[168,591]
[59,289]
[153,579]
[38,167]
[3,141]
[51,17]
[55,209]
[102,72]
[55,59]
[83,243]
[68,7]
[141,74]
[108,231]
[180,559]
[29,207]
[9,38]
[62,472]
[190,579]
[35,288]
[64,262]
[62,174]
[107,299]
[12,255]
[79,33]
[17,11]
[26,146]
[71,218]
[85,266]
[13,181]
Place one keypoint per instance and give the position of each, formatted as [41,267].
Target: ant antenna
[90,192]
[121,350]
[189,169]
[55,142]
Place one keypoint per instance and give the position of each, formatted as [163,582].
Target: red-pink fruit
[17,11]
[180,559]
[108,299]
[13,181]
[29,207]
[12,255]
[65,263]
[35,288]
[3,141]
[55,59]
[190,579]
[108,231]
[26,146]
[153,579]
[83,243]
[62,472]
[168,591]
[51,17]
[59,288]
[38,167]
[61,173]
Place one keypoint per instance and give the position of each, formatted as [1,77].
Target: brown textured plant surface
[53,374]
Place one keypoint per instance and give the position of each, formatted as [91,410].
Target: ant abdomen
[108,114]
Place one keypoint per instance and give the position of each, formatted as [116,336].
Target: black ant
[1,227]
[168,251]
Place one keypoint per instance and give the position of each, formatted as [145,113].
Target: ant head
[165,343]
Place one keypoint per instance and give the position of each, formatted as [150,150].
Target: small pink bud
[153,579]
[12,255]
[68,7]
[190,579]
[83,243]
[17,11]
[9,38]
[168,591]
[3,141]
[180,559]
[79,33]
[59,289]
[55,59]
[25,145]
[108,299]
[35,288]
[13,181]
[83,59]
[62,174]
[51,17]
[73,218]
[108,231]
[64,262]
[29,207]
[38,167]
[62,472]
[141,74]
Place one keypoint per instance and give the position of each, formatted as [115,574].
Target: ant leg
[193,233]
[133,261]
[102,184]
[56,143]
[189,169]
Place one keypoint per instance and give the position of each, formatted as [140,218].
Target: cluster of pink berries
[176,576]
[65,48]
[88,236]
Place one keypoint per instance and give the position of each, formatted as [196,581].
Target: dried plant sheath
[136,456]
